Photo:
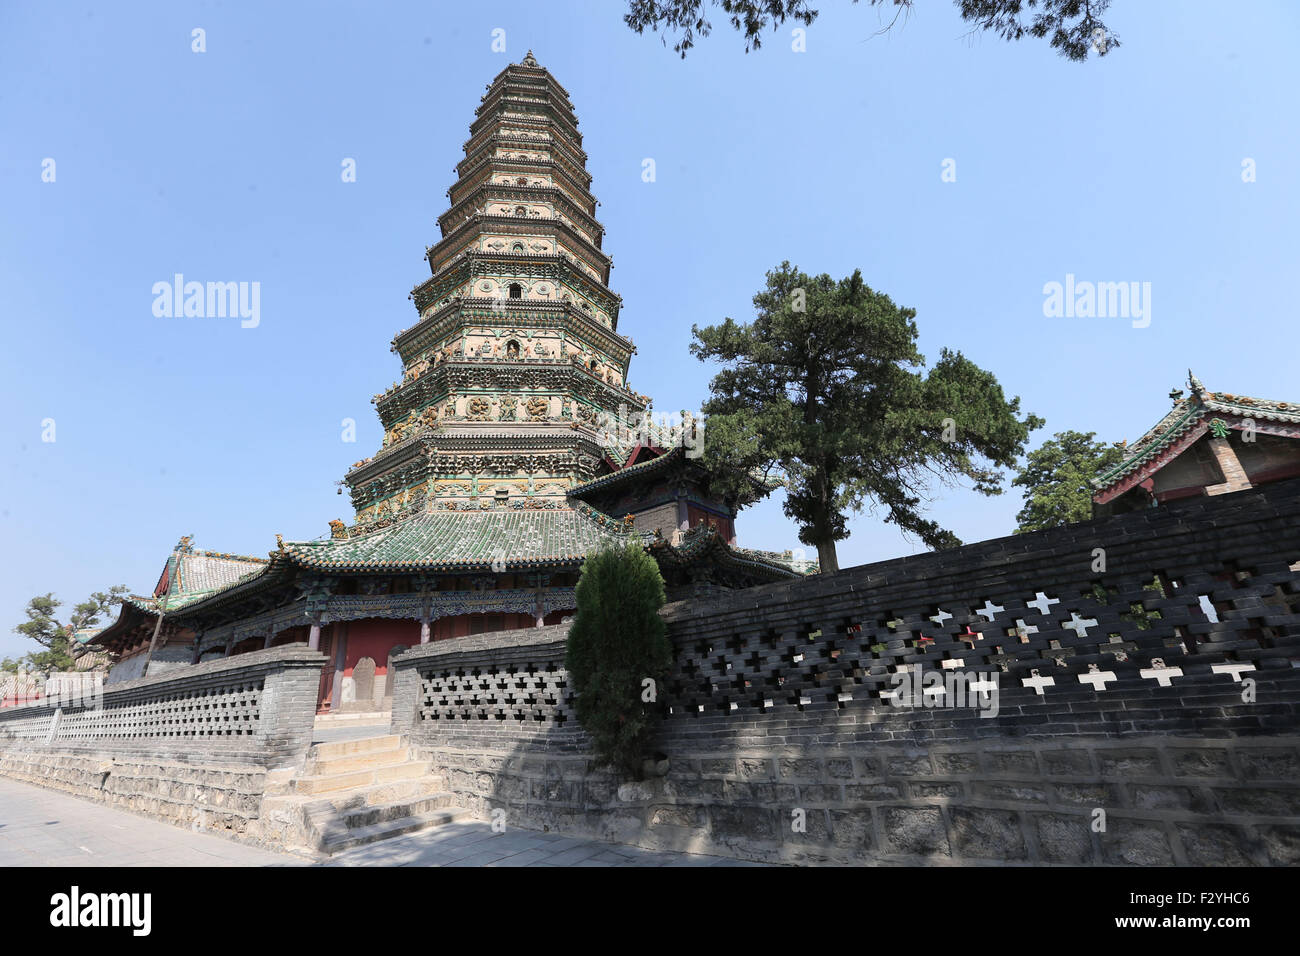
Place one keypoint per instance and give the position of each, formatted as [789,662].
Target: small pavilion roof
[704,543]
[642,469]
[188,577]
[1185,422]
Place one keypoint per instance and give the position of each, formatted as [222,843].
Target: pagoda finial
[529,59]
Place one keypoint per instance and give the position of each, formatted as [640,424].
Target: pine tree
[823,390]
[1056,478]
[616,644]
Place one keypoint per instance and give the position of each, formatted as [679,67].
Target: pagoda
[509,438]
[515,360]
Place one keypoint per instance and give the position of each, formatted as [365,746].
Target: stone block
[1270,764]
[1059,763]
[868,792]
[914,831]
[731,825]
[987,834]
[853,830]
[794,768]
[1063,838]
[1281,843]
[1135,843]
[1259,801]
[1011,763]
[956,763]
[1128,763]
[909,765]
[1200,762]
[1218,845]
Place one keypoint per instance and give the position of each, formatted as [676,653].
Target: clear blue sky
[226,166]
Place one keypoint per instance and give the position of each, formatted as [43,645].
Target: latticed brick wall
[257,708]
[1149,621]
[1158,693]
[1192,600]
[506,686]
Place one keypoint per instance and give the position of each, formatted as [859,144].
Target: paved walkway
[40,827]
[474,844]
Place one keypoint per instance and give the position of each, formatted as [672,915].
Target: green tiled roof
[179,600]
[206,571]
[1187,414]
[85,635]
[455,540]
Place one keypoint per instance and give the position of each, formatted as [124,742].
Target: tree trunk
[826,557]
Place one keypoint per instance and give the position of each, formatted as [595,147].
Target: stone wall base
[1166,801]
[224,800]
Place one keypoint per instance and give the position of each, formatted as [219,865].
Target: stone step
[369,760]
[362,745]
[402,790]
[338,837]
[335,802]
[326,783]
[367,816]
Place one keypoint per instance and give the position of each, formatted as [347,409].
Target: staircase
[353,792]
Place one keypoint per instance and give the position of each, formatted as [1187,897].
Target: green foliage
[1073,27]
[1138,614]
[54,636]
[617,640]
[823,388]
[1056,479]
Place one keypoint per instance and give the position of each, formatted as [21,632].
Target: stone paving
[475,844]
[45,828]
[41,827]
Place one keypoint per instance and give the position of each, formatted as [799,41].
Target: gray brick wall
[778,702]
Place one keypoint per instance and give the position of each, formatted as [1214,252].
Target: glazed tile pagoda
[515,358]
[513,446]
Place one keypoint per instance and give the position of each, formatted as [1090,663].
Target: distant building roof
[1187,421]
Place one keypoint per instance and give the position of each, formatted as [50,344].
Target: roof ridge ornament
[1197,388]
[529,59]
